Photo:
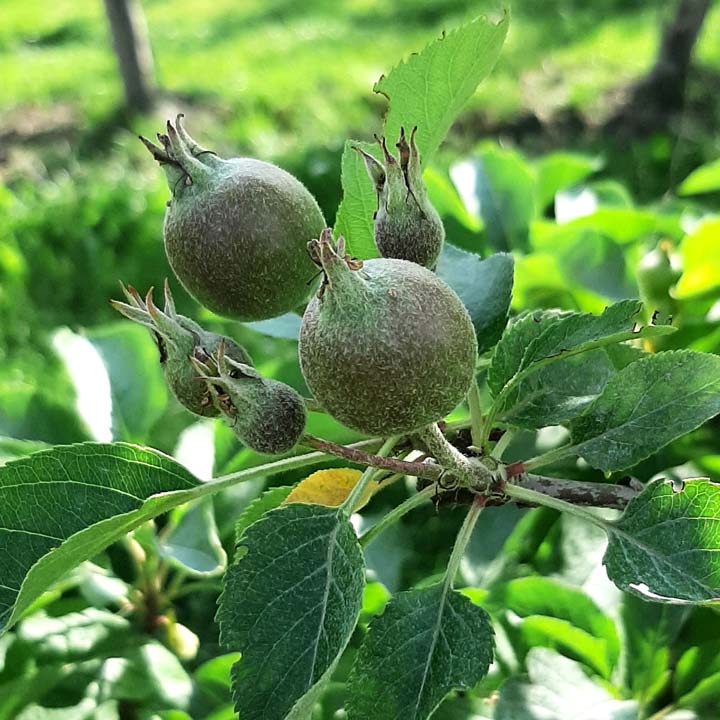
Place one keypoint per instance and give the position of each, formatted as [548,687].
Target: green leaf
[150,674]
[665,546]
[534,376]
[576,329]
[558,688]
[484,286]
[269,500]
[560,391]
[587,259]
[559,171]
[507,359]
[647,405]
[428,90]
[286,327]
[562,618]
[61,507]
[502,187]
[650,631]
[75,636]
[137,385]
[701,260]
[624,225]
[35,409]
[289,605]
[431,87]
[704,179]
[212,680]
[354,220]
[193,541]
[697,664]
[426,643]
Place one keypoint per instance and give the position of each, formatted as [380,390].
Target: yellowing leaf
[330,487]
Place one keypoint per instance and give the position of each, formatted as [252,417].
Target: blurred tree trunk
[132,47]
[669,74]
[662,91]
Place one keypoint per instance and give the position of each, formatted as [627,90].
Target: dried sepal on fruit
[178,339]
[235,230]
[386,347]
[266,415]
[407,226]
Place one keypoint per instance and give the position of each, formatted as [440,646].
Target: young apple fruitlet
[266,415]
[178,339]
[386,347]
[236,230]
[407,226]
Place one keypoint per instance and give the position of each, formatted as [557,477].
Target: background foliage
[588,215]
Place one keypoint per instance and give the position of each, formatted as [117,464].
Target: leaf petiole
[537,498]
[396,513]
[370,472]
[462,539]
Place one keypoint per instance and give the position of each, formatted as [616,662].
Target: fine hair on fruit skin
[406,225]
[385,346]
[179,339]
[236,231]
[266,415]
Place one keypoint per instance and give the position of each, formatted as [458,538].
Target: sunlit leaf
[289,605]
[645,406]
[427,642]
[60,507]
[428,90]
[666,545]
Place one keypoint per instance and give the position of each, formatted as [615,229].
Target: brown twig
[593,494]
[429,471]
[574,491]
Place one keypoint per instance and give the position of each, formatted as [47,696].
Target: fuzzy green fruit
[385,347]
[236,230]
[178,339]
[268,416]
[407,226]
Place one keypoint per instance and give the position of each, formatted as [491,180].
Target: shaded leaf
[562,618]
[534,375]
[666,545]
[289,605]
[137,385]
[194,542]
[75,636]
[499,186]
[484,286]
[647,405]
[427,642]
[286,327]
[558,688]
[561,170]
[650,630]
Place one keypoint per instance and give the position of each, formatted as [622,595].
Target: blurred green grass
[283,74]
